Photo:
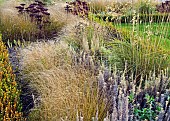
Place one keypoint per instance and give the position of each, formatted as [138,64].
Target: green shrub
[9,94]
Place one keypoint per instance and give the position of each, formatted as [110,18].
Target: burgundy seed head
[31,15]
[46,13]
[34,4]
[37,1]
[79,2]
[84,3]
[35,11]
[40,26]
[22,4]
[45,9]
[39,7]
[20,11]
[38,16]
[27,10]
[31,6]
[19,7]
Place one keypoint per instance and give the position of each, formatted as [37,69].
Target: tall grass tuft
[60,83]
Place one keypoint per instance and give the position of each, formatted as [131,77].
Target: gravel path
[26,94]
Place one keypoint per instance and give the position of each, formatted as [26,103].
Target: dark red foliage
[46,13]
[19,7]
[78,7]
[22,4]
[37,13]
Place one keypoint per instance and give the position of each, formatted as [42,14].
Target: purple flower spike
[35,11]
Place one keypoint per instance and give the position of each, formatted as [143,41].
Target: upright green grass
[145,46]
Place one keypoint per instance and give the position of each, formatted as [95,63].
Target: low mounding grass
[65,89]
[44,56]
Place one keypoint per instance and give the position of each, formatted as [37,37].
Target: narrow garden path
[58,12]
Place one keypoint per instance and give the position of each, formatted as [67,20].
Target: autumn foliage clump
[10,106]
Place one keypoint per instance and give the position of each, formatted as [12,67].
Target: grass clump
[51,71]
[141,57]
[9,94]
